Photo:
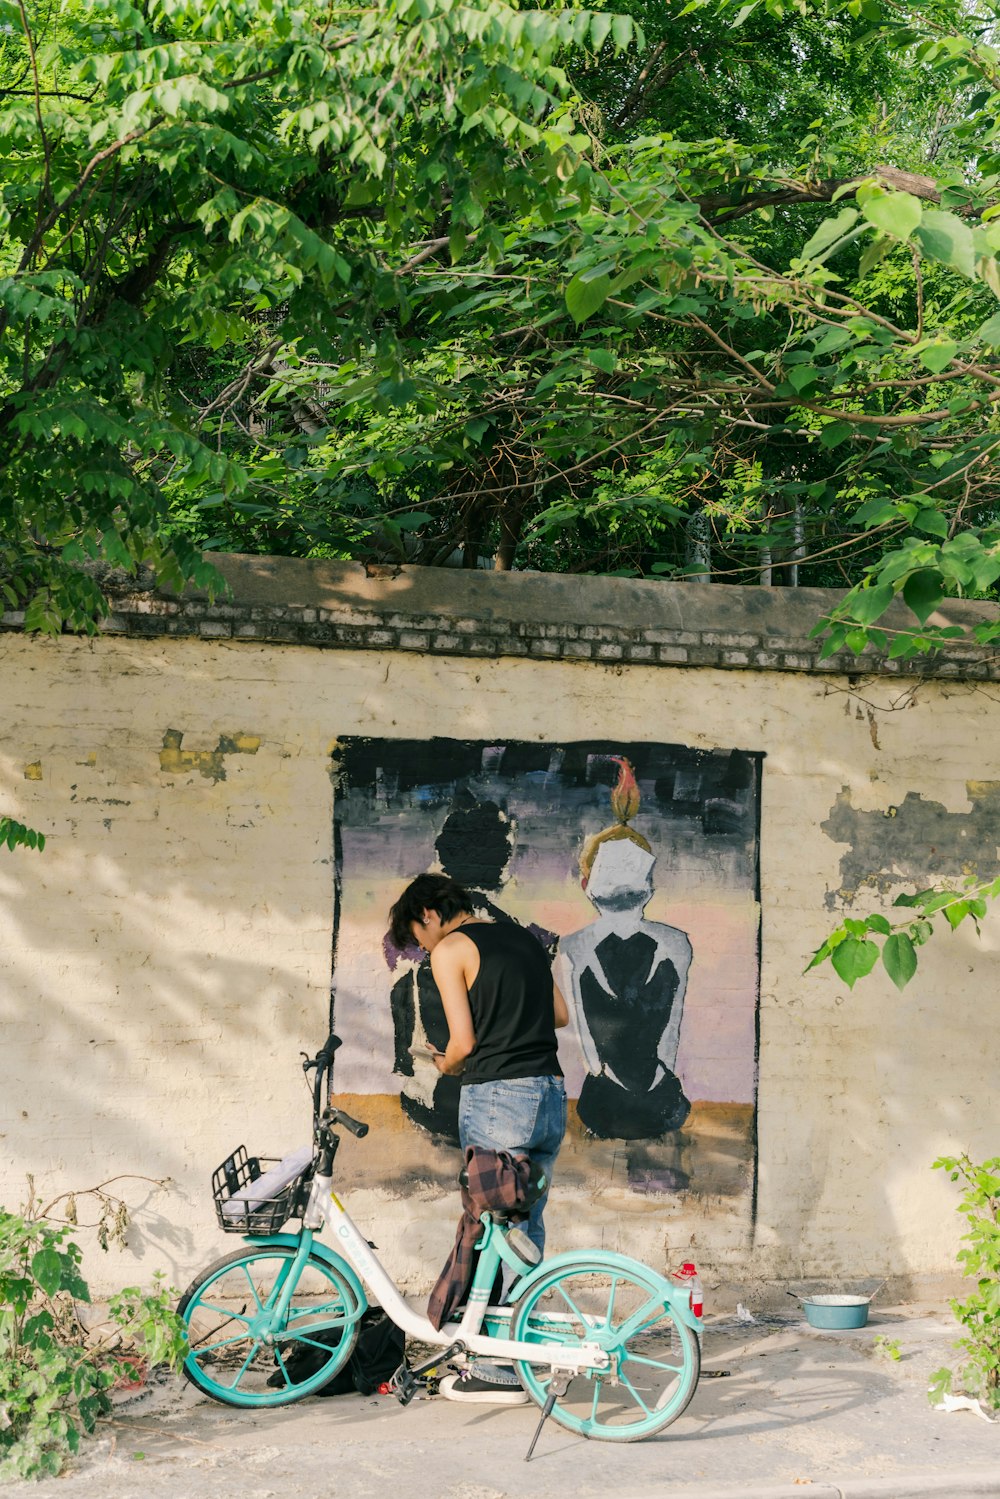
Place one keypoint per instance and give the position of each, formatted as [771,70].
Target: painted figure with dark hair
[474,849]
[625,979]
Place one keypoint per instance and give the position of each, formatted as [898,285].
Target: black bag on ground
[377,1355]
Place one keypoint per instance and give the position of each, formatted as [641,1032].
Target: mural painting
[636,865]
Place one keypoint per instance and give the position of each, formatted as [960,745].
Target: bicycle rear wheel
[240,1355]
[655,1358]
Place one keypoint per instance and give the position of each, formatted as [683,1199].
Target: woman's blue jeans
[519,1114]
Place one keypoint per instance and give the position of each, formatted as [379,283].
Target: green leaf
[897,214]
[46,1266]
[600,28]
[828,233]
[923,593]
[899,959]
[989,333]
[878,923]
[875,513]
[854,959]
[457,241]
[936,357]
[875,253]
[826,948]
[934,900]
[869,603]
[585,296]
[945,238]
[836,433]
[603,359]
[834,338]
[399,392]
[833,642]
[932,523]
[901,645]
[800,376]
[985,570]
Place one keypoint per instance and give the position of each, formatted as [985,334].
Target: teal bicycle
[604,1344]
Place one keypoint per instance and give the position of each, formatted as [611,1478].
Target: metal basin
[836,1312]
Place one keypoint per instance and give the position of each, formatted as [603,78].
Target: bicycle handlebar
[326,1051]
[337,1116]
[322,1062]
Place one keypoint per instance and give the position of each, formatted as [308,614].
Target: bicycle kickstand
[406,1381]
[558,1385]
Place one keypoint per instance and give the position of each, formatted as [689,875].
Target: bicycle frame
[480,1330]
[325,1207]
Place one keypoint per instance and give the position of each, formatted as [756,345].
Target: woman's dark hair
[428,892]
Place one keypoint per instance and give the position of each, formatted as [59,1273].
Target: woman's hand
[440,1060]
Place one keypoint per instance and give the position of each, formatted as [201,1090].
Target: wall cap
[542,616]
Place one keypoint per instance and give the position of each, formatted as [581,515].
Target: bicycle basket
[257,1194]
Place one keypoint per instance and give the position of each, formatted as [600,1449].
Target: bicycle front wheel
[241,1354]
[654,1356]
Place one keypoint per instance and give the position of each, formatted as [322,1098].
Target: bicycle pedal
[403,1384]
[406,1381]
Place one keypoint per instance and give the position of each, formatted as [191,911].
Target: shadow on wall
[151,1004]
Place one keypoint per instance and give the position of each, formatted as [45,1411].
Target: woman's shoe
[471,1388]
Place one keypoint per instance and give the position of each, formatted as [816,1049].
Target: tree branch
[650,82]
[431,248]
[720,208]
[60,208]
[45,93]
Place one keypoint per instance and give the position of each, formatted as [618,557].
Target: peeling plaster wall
[167,957]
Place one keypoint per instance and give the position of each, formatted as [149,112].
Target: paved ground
[800,1412]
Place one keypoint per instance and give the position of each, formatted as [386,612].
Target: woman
[502,1009]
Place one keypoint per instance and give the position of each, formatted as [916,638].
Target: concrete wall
[169,954]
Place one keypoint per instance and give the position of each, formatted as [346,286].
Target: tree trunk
[510,535]
[699,547]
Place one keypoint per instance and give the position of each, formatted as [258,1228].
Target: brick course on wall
[347,606]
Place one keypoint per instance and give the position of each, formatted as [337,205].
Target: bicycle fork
[278,1310]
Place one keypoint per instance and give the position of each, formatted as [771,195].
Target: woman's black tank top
[512,1006]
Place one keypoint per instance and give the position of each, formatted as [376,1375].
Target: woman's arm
[448,968]
[560,1006]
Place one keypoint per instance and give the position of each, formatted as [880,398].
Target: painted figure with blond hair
[625,978]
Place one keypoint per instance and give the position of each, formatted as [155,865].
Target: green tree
[682,339]
[263,178]
[530,283]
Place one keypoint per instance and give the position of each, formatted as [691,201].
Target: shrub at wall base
[979,1314]
[54,1380]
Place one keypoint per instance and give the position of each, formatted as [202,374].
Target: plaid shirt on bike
[498,1183]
